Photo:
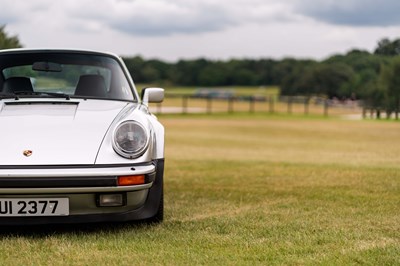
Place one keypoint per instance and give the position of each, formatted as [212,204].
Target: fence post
[209,105]
[306,105]
[184,104]
[251,104]
[326,105]
[289,106]
[271,104]
[159,108]
[230,105]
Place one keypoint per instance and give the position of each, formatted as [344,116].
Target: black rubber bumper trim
[65,182]
[57,182]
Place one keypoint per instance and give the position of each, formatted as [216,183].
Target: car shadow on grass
[73,229]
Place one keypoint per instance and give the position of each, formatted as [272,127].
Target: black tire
[159,216]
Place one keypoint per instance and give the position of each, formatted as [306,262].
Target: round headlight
[130,139]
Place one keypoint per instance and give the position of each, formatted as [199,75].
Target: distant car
[77,143]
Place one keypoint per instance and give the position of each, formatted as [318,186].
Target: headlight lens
[130,139]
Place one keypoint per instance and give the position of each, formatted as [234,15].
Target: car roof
[50,50]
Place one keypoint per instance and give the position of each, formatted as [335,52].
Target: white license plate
[34,207]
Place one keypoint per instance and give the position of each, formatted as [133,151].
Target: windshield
[64,73]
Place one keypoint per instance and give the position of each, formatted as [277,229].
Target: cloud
[10,16]
[165,17]
[174,29]
[168,17]
[32,15]
[152,18]
[160,18]
[351,12]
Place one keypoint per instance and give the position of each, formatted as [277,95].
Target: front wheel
[159,216]
[157,195]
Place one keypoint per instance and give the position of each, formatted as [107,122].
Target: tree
[187,72]
[215,74]
[386,47]
[331,80]
[390,83]
[7,42]
[374,97]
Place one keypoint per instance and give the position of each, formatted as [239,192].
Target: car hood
[67,132]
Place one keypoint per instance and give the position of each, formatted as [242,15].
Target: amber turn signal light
[131,180]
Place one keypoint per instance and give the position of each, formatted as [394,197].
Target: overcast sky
[215,29]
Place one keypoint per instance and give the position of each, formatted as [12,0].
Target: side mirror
[152,95]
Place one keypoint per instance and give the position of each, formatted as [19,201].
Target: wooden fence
[185,104]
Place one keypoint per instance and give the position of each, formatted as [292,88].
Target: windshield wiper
[40,93]
[56,95]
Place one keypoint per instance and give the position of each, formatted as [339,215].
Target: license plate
[34,207]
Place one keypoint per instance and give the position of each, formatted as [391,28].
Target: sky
[171,30]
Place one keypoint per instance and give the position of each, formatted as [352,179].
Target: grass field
[250,189]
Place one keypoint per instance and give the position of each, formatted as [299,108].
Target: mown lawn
[250,189]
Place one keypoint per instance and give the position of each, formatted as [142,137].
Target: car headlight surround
[130,139]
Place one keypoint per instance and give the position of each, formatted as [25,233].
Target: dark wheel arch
[154,207]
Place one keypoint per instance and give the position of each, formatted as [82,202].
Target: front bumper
[74,183]
[79,179]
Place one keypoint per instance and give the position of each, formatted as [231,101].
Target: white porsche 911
[77,143]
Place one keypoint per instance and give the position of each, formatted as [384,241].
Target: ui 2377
[33,207]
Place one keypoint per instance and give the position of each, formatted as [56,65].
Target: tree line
[358,75]
[371,77]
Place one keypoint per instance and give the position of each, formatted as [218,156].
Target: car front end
[78,145]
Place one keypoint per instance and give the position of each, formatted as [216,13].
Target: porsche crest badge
[27,153]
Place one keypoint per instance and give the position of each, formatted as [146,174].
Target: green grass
[251,189]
